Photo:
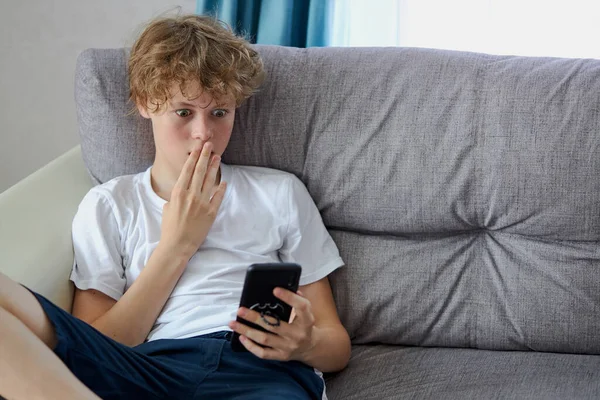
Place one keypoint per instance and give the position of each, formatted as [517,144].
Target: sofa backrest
[462,189]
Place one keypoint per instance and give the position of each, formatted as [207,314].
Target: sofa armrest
[36,248]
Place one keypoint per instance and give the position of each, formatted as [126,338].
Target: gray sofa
[462,189]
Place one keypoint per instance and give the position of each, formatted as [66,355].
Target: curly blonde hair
[188,49]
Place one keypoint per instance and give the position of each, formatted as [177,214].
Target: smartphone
[257,294]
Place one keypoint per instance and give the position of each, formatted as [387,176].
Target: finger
[292,315]
[256,318]
[183,182]
[222,188]
[291,298]
[261,352]
[217,198]
[262,344]
[300,305]
[201,167]
[268,339]
[210,179]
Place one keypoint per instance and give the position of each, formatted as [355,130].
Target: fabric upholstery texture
[462,189]
[398,372]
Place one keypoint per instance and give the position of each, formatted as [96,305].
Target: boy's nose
[202,132]
[202,135]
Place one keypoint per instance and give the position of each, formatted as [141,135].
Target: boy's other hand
[194,203]
[287,341]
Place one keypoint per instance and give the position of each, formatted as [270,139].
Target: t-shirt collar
[159,202]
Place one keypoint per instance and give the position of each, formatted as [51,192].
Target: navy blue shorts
[202,367]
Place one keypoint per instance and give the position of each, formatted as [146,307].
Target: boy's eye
[219,113]
[183,113]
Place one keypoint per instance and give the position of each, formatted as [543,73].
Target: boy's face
[183,125]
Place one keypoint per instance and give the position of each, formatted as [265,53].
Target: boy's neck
[164,186]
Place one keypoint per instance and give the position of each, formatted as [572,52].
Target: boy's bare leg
[29,369]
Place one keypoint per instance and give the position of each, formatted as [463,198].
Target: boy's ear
[143,111]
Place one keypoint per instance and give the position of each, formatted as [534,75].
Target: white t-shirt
[266,216]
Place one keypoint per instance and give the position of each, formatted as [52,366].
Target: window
[556,28]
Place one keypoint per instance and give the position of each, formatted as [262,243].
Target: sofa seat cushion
[399,372]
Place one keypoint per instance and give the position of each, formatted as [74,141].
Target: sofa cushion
[395,372]
[114,141]
[462,189]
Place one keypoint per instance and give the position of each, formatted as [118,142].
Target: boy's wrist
[173,255]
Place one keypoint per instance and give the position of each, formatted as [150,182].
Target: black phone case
[257,294]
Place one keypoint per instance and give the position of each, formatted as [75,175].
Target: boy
[160,256]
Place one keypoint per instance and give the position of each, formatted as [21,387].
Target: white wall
[39,44]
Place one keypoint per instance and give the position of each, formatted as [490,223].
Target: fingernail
[242,312]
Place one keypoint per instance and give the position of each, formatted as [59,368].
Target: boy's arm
[330,348]
[129,320]
[186,220]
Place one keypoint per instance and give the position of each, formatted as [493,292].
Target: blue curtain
[295,23]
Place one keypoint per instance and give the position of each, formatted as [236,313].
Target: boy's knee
[18,301]
[4,282]
[7,290]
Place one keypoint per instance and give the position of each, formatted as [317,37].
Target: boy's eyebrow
[178,104]
[183,104]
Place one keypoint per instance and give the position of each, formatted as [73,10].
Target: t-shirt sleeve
[98,262]
[307,241]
